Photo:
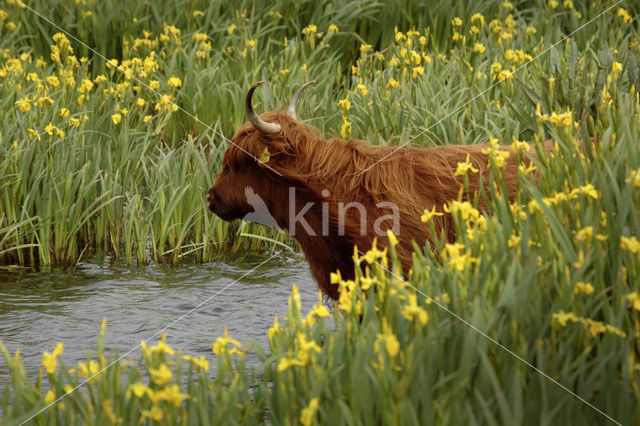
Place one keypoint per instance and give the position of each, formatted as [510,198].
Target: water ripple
[62,304]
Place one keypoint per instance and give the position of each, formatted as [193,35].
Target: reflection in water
[63,304]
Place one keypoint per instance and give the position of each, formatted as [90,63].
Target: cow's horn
[259,123]
[291,110]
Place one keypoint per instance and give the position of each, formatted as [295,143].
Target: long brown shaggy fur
[413,179]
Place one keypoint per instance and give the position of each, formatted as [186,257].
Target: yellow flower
[155,413]
[197,13]
[295,296]
[457,36]
[200,37]
[345,129]
[24,104]
[464,167]
[220,346]
[140,102]
[518,146]
[344,103]
[634,176]
[161,376]
[85,86]
[388,339]
[252,43]
[275,329]
[477,17]
[50,128]
[50,397]
[174,82]
[162,347]
[89,370]
[412,310]
[392,237]
[531,30]
[285,363]
[553,4]
[456,22]
[616,67]
[479,48]
[64,113]
[53,81]
[310,30]
[634,299]
[430,214]
[231,28]
[362,88]
[514,240]
[305,346]
[172,395]
[622,13]
[630,244]
[154,84]
[112,63]
[392,83]
[585,234]
[116,118]
[374,253]
[582,288]
[455,259]
[561,318]
[49,359]
[464,209]
[364,48]
[588,190]
[333,28]
[419,70]
[495,153]
[138,389]
[306,418]
[198,363]
[504,74]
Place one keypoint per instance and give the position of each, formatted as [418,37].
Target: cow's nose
[211,199]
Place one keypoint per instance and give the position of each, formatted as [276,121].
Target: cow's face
[241,178]
[248,181]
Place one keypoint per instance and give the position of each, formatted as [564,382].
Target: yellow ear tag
[265,156]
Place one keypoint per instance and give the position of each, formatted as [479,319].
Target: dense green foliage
[552,277]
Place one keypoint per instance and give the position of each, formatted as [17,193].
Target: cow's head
[251,178]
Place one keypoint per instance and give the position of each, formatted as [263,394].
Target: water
[38,309]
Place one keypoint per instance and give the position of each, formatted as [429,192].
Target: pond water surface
[38,309]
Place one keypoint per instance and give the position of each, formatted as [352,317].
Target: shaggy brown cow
[278,171]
